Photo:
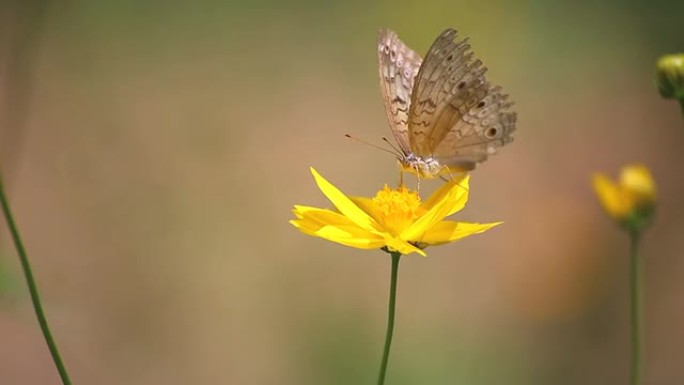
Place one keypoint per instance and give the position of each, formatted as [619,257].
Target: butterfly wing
[479,133]
[398,66]
[455,115]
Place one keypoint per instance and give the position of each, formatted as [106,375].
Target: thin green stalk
[35,297]
[636,278]
[390,317]
[19,62]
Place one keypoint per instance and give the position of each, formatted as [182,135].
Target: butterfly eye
[491,132]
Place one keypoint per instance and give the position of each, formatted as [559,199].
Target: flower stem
[390,317]
[636,278]
[33,290]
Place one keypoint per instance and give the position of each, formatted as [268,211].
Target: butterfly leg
[451,176]
[417,177]
[441,174]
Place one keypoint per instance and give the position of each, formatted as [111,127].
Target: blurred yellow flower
[670,76]
[395,219]
[632,199]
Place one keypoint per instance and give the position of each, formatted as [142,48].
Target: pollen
[396,209]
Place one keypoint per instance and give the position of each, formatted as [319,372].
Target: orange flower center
[396,209]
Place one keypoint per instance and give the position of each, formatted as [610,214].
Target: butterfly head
[423,167]
[430,167]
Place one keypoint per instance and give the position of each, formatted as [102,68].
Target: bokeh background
[153,151]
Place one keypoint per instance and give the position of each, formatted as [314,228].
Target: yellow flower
[631,201]
[395,219]
[670,76]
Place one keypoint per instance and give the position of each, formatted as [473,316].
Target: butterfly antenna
[373,145]
[395,148]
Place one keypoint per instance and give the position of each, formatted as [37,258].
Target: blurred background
[153,150]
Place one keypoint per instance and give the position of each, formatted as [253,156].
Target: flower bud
[670,76]
[631,200]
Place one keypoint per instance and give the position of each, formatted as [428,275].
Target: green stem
[23,48]
[636,278]
[390,317]
[35,297]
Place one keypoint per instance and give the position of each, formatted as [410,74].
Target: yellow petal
[611,196]
[344,204]
[638,180]
[342,236]
[402,247]
[450,231]
[448,201]
[319,223]
[334,227]
[365,204]
[321,217]
[442,192]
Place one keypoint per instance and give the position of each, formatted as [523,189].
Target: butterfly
[444,115]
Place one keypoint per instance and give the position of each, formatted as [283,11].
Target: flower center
[396,209]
